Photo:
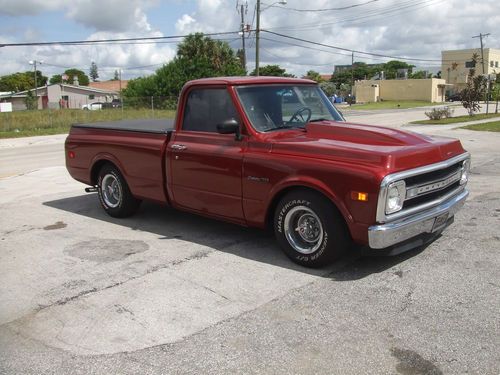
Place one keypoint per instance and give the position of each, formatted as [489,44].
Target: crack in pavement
[61,302]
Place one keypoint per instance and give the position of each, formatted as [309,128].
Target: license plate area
[440,221]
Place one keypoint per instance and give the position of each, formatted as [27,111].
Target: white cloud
[110,15]
[112,19]
[183,24]
[29,7]
[412,29]
[406,28]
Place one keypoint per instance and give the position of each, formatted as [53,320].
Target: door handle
[178,147]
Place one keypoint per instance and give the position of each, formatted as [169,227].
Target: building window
[492,63]
[91,96]
[470,64]
[496,64]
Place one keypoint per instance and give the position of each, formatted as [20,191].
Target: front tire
[309,229]
[114,193]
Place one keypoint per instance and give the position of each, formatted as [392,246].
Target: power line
[295,63]
[325,9]
[402,6]
[101,41]
[348,49]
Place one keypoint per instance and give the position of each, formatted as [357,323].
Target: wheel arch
[325,193]
[100,161]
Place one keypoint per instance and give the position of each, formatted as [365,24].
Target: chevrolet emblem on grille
[433,186]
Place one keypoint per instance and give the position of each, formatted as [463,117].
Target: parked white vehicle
[93,106]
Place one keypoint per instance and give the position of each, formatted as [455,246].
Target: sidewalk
[32,141]
[452,126]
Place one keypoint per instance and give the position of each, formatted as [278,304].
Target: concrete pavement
[167,292]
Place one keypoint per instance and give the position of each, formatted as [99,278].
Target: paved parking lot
[168,292]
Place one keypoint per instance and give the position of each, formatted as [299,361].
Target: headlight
[465,172]
[396,194]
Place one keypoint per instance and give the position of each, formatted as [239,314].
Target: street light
[34,62]
[257,31]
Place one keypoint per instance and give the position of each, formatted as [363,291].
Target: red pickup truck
[275,152]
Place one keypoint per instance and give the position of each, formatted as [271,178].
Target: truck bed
[158,126]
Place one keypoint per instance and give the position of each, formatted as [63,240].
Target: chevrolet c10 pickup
[275,153]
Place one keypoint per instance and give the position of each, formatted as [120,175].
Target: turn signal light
[359,196]
[71,154]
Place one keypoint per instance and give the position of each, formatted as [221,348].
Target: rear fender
[100,159]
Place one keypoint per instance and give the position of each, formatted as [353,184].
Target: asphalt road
[167,292]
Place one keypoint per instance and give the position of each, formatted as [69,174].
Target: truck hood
[387,149]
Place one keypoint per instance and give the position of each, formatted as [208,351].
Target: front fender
[311,183]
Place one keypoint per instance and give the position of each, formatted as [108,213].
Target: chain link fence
[53,121]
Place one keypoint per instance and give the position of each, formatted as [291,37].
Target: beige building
[429,90]
[60,95]
[456,64]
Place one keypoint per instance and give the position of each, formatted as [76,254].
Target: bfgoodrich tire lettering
[114,193]
[310,229]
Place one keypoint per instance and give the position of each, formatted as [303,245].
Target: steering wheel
[300,113]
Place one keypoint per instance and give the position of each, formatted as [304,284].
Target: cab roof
[246,80]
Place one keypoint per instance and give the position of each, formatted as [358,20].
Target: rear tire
[309,229]
[114,193]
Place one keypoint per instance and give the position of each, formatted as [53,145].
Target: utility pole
[257,30]
[243,11]
[352,73]
[480,36]
[34,62]
[121,98]
[257,38]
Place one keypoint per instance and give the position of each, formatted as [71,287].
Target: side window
[206,108]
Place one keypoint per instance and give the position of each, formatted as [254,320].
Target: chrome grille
[426,187]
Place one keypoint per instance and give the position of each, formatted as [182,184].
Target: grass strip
[453,120]
[493,126]
[48,122]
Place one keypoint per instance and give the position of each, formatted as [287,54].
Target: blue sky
[414,29]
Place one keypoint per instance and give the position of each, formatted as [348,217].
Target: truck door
[205,166]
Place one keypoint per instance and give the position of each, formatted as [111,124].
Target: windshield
[274,107]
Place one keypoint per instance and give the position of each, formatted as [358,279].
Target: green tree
[420,75]
[391,68]
[116,76]
[198,56]
[83,79]
[314,76]
[56,78]
[341,78]
[272,71]
[474,89]
[360,71]
[22,81]
[328,88]
[93,73]
[495,91]
[207,57]
[30,101]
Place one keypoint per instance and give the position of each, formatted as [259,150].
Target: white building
[60,95]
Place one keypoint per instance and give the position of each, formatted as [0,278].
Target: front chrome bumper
[388,234]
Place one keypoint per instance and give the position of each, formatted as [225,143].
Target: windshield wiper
[319,119]
[284,127]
